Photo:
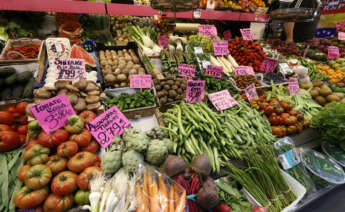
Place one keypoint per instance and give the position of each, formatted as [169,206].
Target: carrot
[181,202]
[154,198]
[139,196]
[171,199]
[146,194]
[163,194]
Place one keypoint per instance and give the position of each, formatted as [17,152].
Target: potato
[133,71]
[121,77]
[160,94]
[172,93]
[170,100]
[163,100]
[166,87]
[123,84]
[175,87]
[110,78]
[141,70]
[158,87]
[135,59]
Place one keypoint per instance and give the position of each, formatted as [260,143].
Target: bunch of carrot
[155,196]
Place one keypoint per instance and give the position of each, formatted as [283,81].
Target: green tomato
[82,197]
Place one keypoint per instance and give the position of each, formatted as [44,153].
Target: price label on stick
[215,71]
[251,92]
[220,47]
[185,70]
[140,81]
[195,91]
[246,34]
[222,100]
[163,41]
[333,52]
[341,35]
[53,113]
[293,86]
[227,35]
[208,30]
[70,69]
[244,70]
[105,126]
[269,65]
[198,50]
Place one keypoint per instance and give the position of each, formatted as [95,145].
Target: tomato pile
[13,127]
[58,166]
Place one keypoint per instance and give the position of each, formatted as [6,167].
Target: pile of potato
[118,65]
[323,94]
[170,89]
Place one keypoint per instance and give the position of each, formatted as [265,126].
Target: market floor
[334,201]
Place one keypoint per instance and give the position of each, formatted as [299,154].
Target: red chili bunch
[247,52]
[191,187]
[29,51]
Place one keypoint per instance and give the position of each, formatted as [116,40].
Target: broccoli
[131,160]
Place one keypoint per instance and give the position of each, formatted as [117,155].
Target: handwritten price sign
[70,69]
[222,100]
[198,50]
[185,70]
[220,47]
[244,70]
[105,126]
[293,86]
[341,35]
[140,81]
[333,52]
[251,92]
[53,113]
[208,30]
[269,65]
[163,41]
[247,34]
[215,71]
[195,91]
[227,35]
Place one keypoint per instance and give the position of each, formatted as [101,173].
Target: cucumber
[27,93]
[6,93]
[17,92]
[7,71]
[24,76]
[11,79]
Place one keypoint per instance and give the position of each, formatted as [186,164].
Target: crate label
[222,100]
[195,91]
[246,34]
[220,47]
[244,70]
[341,35]
[215,71]
[208,30]
[140,81]
[333,52]
[163,40]
[53,113]
[293,86]
[105,126]
[69,69]
[185,70]
[227,35]
[269,65]
[198,50]
[251,92]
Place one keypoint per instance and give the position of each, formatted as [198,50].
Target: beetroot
[202,165]
[174,165]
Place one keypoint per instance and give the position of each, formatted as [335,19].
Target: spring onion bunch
[143,38]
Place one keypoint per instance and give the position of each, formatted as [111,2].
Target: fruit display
[336,74]
[323,94]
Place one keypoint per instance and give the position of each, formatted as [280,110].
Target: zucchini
[17,92]
[11,79]
[7,71]
[24,76]
[27,93]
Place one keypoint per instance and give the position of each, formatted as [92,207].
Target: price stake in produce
[293,86]
[208,30]
[53,113]
[140,81]
[222,100]
[163,40]
[214,71]
[195,91]
[70,69]
[269,65]
[185,70]
[333,52]
[251,92]
[246,34]
[244,70]
[227,35]
[220,47]
[105,126]
[341,35]
[198,50]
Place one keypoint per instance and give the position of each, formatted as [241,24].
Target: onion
[174,165]
[202,165]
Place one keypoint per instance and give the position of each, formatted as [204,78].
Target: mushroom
[72,97]
[42,93]
[94,93]
[64,90]
[72,88]
[62,84]
[81,84]
[81,104]
[91,86]
[92,99]
[93,106]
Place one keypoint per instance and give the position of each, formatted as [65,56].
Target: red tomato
[81,161]
[87,116]
[22,172]
[11,109]
[64,183]
[20,107]
[16,115]
[6,117]
[259,209]
[67,149]
[83,139]
[9,139]
[92,147]
[57,164]
[84,178]
[26,198]
[60,136]
[23,129]
[5,127]
[57,203]
[22,139]
[22,119]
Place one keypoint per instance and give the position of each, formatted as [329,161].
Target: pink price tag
[341,35]
[293,86]
[333,52]
[220,47]
[227,35]
[140,81]
[53,113]
[163,40]
[215,71]
[269,65]
[340,25]
[195,91]
[246,34]
[185,70]
[222,100]
[105,126]
[244,70]
[251,92]
[70,69]
[208,30]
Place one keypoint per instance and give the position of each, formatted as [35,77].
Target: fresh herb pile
[217,84]
[130,101]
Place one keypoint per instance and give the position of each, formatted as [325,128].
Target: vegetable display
[130,101]
[170,89]
[323,94]
[216,84]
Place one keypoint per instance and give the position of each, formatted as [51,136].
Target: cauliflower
[136,140]
[111,162]
[157,152]
[131,160]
